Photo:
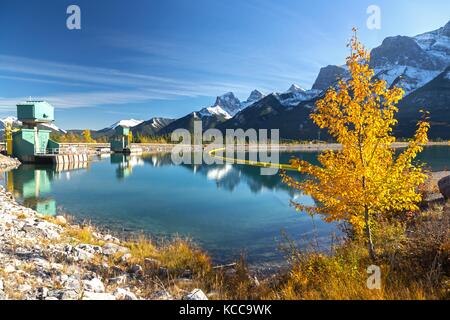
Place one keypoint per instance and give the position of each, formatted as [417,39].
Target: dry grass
[413,254]
[22,216]
[83,234]
[413,257]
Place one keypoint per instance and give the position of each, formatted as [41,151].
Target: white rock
[196,294]
[98,296]
[90,248]
[126,257]
[43,292]
[70,295]
[9,268]
[112,248]
[61,220]
[42,263]
[1,284]
[83,254]
[123,294]
[24,287]
[109,237]
[72,283]
[52,234]
[63,278]
[56,266]
[94,285]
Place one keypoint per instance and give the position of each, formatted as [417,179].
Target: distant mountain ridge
[125,123]
[151,127]
[419,65]
[16,124]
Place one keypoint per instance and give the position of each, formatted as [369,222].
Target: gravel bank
[38,260]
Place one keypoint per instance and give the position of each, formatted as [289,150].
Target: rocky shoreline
[35,264]
[7,163]
[40,258]
[49,258]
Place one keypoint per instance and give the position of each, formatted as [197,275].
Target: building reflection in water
[125,164]
[33,184]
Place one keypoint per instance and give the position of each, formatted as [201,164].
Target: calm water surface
[226,209]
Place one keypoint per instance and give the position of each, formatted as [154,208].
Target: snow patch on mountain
[254,96]
[295,88]
[214,111]
[125,123]
[16,123]
[292,99]
[436,43]
[53,127]
[10,119]
[407,78]
[411,62]
[157,123]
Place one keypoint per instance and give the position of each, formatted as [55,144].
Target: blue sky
[145,58]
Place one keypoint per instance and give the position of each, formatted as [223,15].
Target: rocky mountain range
[417,64]
[420,65]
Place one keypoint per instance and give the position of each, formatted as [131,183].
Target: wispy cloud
[106,86]
[71,72]
[226,67]
[243,64]
[47,81]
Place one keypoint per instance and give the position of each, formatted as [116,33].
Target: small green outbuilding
[30,140]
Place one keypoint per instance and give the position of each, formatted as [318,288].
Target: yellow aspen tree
[365,178]
[130,137]
[87,136]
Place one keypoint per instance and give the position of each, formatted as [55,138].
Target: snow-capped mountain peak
[411,62]
[295,88]
[16,123]
[229,103]
[293,98]
[125,123]
[215,110]
[255,95]
[10,119]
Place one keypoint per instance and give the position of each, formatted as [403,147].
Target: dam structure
[121,141]
[31,143]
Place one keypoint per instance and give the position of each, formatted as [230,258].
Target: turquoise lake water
[226,209]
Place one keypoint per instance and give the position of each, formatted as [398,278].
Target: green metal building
[30,141]
[120,141]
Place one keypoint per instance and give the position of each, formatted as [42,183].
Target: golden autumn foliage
[365,178]
[87,136]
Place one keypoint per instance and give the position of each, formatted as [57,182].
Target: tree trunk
[369,236]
